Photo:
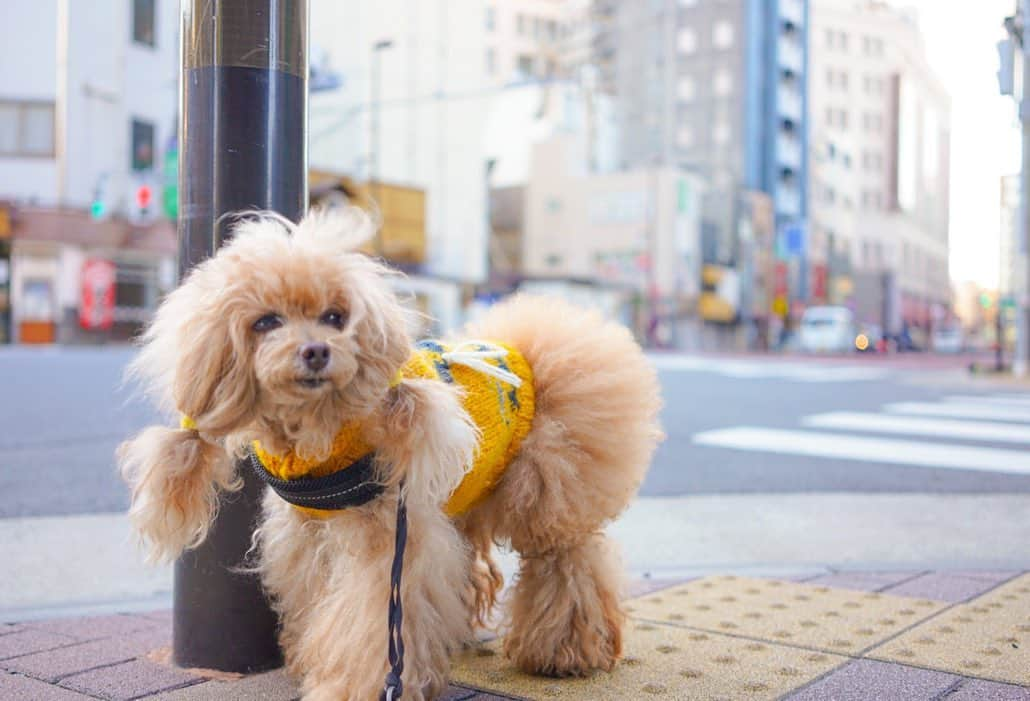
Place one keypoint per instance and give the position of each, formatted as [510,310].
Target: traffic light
[143,198]
[985,300]
[97,208]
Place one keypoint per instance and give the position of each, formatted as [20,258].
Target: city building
[633,235]
[1013,68]
[87,110]
[880,124]
[532,39]
[717,88]
[409,112]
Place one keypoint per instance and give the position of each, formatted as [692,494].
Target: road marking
[969,410]
[739,369]
[846,447]
[915,426]
[1004,399]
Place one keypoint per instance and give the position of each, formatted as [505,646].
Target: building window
[142,145]
[520,24]
[721,133]
[686,88]
[722,34]
[722,83]
[552,29]
[685,136]
[842,41]
[524,65]
[491,61]
[143,20]
[830,38]
[536,27]
[829,117]
[26,129]
[842,78]
[842,119]
[687,41]
[491,18]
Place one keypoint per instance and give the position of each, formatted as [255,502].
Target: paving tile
[267,686]
[980,690]
[834,620]
[640,587]
[97,627]
[867,679]
[129,680]
[998,576]
[943,586]
[26,642]
[162,615]
[459,693]
[861,581]
[15,686]
[56,664]
[988,637]
[665,661]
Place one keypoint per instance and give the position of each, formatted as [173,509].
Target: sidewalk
[912,636]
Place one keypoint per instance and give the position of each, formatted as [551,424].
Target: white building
[873,96]
[87,107]
[426,113]
[1012,258]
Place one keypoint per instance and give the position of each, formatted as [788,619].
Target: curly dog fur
[593,433]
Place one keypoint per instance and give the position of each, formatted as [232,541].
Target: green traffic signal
[96,209]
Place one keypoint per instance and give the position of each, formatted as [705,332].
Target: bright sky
[985,144]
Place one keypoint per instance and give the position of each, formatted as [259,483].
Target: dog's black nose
[315,355]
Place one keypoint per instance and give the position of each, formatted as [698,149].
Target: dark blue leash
[394,688]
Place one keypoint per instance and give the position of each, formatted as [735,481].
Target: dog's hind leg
[565,614]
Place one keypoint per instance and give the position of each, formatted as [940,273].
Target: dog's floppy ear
[194,358]
[213,381]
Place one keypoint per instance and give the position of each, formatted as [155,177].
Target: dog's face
[281,327]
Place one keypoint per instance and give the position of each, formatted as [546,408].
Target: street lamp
[373,137]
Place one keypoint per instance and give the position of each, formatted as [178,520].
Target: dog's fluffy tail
[175,475]
[592,380]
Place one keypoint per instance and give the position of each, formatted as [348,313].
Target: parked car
[948,339]
[828,329]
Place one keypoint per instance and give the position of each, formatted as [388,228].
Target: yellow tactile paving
[662,662]
[835,620]
[987,637]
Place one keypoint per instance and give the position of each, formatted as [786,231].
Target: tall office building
[880,140]
[717,87]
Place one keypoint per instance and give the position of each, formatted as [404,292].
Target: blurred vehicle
[827,330]
[867,337]
[948,339]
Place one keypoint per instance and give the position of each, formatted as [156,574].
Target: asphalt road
[63,412]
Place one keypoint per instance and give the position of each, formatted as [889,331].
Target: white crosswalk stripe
[966,410]
[842,446]
[1003,399]
[747,369]
[919,426]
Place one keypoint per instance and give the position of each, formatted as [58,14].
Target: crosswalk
[762,369]
[988,433]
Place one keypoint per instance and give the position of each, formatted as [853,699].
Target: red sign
[780,279]
[96,304]
[819,282]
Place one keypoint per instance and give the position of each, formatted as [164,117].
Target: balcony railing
[790,54]
[793,11]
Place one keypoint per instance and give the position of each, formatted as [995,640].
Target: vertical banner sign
[96,303]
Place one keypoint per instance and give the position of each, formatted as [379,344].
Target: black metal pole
[243,147]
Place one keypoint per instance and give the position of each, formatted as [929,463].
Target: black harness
[354,486]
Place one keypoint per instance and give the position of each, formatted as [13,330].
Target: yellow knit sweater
[502,411]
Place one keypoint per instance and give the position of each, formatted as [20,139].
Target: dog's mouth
[311,382]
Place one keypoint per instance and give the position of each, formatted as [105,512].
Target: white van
[827,330]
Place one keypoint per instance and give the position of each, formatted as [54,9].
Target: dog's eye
[267,323]
[334,318]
